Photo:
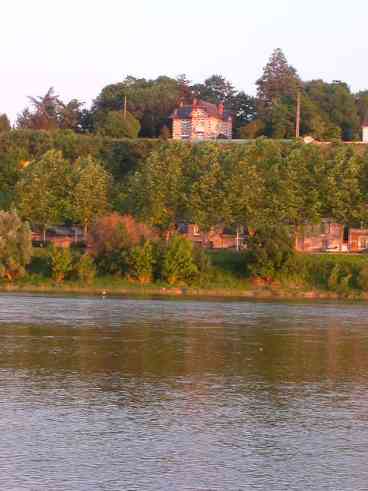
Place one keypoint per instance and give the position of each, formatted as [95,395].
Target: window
[196,230]
[364,242]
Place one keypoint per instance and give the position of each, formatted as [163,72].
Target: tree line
[265,182]
[142,107]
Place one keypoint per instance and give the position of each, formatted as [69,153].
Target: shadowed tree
[4,123]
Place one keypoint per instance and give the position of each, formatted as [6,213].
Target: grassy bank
[307,276]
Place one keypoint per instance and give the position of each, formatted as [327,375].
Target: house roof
[212,110]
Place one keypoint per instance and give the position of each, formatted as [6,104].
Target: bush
[61,263]
[141,262]
[86,269]
[339,279]
[178,262]
[114,125]
[15,246]
[111,239]
[269,251]
[362,279]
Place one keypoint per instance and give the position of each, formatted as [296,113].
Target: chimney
[195,102]
[221,108]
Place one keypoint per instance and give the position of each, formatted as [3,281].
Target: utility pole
[125,107]
[297,124]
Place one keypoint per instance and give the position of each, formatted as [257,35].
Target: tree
[61,263]
[178,264]
[156,189]
[150,101]
[4,123]
[204,186]
[243,189]
[90,191]
[337,106]
[277,202]
[279,79]
[44,115]
[269,250]
[345,201]
[244,110]
[112,237]
[115,124]
[141,262]
[15,245]
[362,104]
[70,115]
[277,90]
[215,89]
[50,113]
[251,130]
[43,193]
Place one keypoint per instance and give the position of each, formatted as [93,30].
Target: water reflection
[135,394]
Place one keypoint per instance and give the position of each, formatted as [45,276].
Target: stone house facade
[201,121]
[324,236]
[329,236]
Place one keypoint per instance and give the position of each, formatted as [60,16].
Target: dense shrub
[61,263]
[339,279]
[178,262]
[111,239]
[86,269]
[270,249]
[15,246]
[114,125]
[362,279]
[141,262]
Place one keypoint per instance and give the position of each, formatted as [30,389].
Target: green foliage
[362,279]
[61,261]
[150,101]
[15,246]
[156,190]
[90,191]
[43,194]
[115,125]
[337,106]
[339,279]
[4,123]
[86,269]
[112,237]
[269,250]
[49,113]
[141,262]
[178,263]
[253,129]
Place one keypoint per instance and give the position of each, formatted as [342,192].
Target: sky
[79,46]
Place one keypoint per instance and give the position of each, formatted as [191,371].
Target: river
[118,394]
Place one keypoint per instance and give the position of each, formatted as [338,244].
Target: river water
[115,394]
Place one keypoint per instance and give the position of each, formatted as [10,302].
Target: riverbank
[136,290]
[307,277]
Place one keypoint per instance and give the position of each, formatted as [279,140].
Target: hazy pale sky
[79,46]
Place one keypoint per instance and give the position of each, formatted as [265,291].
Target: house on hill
[201,121]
